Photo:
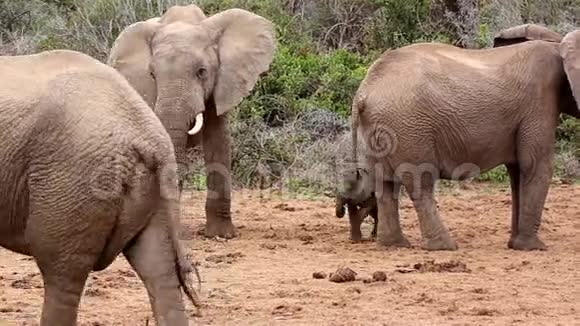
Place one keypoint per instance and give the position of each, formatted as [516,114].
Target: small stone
[379,276]
[269,246]
[319,275]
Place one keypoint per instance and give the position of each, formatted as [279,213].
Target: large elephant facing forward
[430,111]
[192,70]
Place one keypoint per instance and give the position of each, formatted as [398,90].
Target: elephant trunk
[181,112]
[180,108]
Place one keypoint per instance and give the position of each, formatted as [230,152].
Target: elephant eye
[152,74]
[201,73]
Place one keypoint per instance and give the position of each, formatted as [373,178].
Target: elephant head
[183,62]
[569,52]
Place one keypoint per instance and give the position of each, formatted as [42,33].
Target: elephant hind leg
[153,257]
[434,233]
[389,231]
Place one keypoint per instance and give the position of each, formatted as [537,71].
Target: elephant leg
[339,206]
[355,222]
[514,174]
[374,214]
[65,256]
[389,231]
[217,154]
[434,233]
[153,257]
[62,294]
[534,185]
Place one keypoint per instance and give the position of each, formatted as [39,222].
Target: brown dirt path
[265,276]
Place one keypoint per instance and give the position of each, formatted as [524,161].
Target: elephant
[357,194]
[431,111]
[88,171]
[192,71]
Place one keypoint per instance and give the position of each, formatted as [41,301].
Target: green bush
[300,79]
[498,174]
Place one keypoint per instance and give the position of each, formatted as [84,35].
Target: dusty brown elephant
[433,111]
[88,172]
[193,70]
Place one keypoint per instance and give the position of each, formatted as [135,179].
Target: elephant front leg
[217,153]
[62,294]
[64,256]
[389,231]
[534,184]
[339,206]
[355,220]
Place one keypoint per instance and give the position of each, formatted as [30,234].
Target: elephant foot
[220,228]
[443,242]
[355,232]
[356,237]
[526,243]
[398,241]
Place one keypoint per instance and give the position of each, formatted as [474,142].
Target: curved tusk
[198,124]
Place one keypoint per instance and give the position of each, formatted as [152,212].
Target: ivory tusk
[198,124]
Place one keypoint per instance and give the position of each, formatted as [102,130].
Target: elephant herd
[94,154]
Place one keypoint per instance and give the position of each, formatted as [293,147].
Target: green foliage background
[325,48]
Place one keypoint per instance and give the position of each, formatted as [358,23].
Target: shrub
[301,80]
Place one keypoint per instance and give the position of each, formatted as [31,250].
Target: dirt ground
[265,277]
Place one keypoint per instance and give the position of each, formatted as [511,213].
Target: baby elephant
[358,196]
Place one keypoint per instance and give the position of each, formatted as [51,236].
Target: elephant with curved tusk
[432,111]
[88,172]
[187,65]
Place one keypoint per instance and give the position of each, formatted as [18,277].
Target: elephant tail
[184,268]
[357,106]
[166,181]
[183,265]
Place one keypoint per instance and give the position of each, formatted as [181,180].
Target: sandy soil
[265,277]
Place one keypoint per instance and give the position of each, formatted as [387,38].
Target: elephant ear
[570,52]
[190,14]
[523,33]
[246,46]
[131,56]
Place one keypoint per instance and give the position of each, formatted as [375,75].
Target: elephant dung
[343,274]
[379,276]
